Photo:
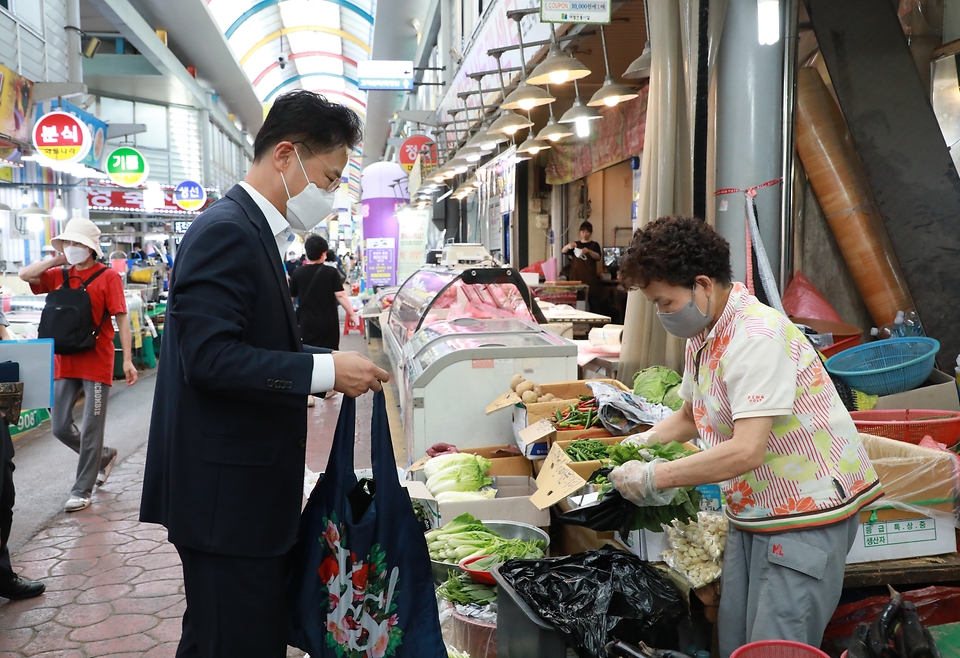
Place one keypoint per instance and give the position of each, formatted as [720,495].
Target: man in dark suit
[224,469]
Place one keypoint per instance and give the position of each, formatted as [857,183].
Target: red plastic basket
[910,425]
[777,649]
[839,346]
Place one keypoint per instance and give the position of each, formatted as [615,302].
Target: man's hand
[130,372]
[636,481]
[356,374]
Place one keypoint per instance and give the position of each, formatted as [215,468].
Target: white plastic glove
[641,440]
[636,481]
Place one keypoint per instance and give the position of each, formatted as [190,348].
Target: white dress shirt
[324,373]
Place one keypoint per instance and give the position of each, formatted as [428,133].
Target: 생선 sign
[190,195]
[576,11]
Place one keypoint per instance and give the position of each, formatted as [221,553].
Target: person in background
[228,433]
[319,290]
[334,261]
[137,252]
[12,586]
[87,373]
[292,263]
[795,472]
[584,255]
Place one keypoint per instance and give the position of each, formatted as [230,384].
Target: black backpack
[67,317]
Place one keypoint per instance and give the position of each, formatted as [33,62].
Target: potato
[537,390]
[515,381]
[524,386]
[528,397]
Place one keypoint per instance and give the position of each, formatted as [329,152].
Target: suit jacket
[224,468]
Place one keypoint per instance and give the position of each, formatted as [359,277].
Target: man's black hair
[308,118]
[331,256]
[315,246]
[586,226]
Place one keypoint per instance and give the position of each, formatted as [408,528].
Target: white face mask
[76,255]
[308,208]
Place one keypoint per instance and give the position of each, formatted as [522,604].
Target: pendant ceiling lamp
[580,115]
[611,93]
[509,122]
[484,139]
[526,97]
[640,67]
[554,131]
[532,145]
[558,67]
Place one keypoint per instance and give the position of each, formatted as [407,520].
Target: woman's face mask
[76,255]
[689,321]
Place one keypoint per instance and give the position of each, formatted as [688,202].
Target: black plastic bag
[612,512]
[599,596]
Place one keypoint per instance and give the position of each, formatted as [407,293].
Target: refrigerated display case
[436,294]
[454,369]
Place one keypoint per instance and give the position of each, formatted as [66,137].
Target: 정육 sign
[576,11]
[414,146]
[127,167]
[61,137]
[385,75]
[190,195]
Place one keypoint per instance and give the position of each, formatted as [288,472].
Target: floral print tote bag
[360,584]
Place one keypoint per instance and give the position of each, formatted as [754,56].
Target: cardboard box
[938,392]
[903,538]
[511,504]
[909,474]
[505,460]
[646,545]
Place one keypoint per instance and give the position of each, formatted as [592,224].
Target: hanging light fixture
[59,211]
[553,131]
[768,22]
[34,216]
[5,208]
[24,197]
[580,115]
[611,93]
[532,145]
[558,67]
[640,67]
[525,96]
[509,122]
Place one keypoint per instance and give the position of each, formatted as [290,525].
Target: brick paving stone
[147,606]
[14,638]
[166,650]
[104,593]
[152,561]
[116,576]
[50,637]
[67,567]
[137,643]
[168,630]
[114,627]
[68,653]
[140,546]
[27,618]
[79,615]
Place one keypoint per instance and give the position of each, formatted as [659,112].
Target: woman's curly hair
[676,250]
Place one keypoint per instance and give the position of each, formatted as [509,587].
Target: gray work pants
[782,586]
[87,441]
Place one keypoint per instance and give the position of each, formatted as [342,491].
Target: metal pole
[749,117]
[76,198]
[791,40]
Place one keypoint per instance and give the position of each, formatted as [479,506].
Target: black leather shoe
[21,588]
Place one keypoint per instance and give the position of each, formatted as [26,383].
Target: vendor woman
[794,471]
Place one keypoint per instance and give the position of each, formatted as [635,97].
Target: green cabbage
[672,399]
[467,475]
[653,383]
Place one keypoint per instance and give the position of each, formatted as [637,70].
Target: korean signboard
[126,166]
[96,128]
[576,11]
[16,94]
[414,146]
[190,195]
[386,75]
[108,199]
[61,137]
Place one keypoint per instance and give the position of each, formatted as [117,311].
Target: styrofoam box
[902,538]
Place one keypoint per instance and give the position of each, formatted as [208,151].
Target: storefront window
[155,117]
[28,11]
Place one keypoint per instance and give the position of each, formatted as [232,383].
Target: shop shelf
[910,425]
[887,366]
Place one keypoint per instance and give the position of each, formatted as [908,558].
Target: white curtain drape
[666,176]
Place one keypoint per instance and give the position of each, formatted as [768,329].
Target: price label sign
[61,137]
[190,195]
[595,12]
[127,167]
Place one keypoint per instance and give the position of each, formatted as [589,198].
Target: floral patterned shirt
[755,362]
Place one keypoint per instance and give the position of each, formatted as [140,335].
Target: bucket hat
[81,231]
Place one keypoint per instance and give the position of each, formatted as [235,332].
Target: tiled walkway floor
[114,585]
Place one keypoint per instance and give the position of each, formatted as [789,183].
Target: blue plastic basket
[887,366]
